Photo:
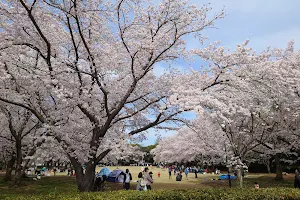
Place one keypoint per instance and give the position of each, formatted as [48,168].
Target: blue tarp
[103,172]
[225,177]
[116,176]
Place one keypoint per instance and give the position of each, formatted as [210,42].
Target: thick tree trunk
[9,168]
[19,171]
[85,182]
[278,167]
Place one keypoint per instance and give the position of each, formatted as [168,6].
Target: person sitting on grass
[179,176]
[256,185]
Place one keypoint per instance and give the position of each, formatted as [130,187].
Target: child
[141,184]
[158,174]
[150,174]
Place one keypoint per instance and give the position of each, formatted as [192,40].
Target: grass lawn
[65,184]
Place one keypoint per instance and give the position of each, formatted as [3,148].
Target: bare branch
[102,155]
[89,115]
[33,111]
[48,57]
[138,111]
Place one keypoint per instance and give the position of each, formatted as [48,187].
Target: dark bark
[278,167]
[9,168]
[268,167]
[19,171]
[87,181]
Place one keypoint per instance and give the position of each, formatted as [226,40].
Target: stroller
[99,183]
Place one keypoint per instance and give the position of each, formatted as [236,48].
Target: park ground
[63,184]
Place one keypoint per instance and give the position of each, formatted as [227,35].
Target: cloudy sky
[265,22]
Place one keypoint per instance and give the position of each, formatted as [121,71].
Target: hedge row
[207,194]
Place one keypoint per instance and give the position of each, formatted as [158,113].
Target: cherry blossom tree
[7,153]
[84,69]
[202,140]
[253,99]
[19,126]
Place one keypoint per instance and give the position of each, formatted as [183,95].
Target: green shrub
[205,194]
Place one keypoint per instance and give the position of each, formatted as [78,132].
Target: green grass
[62,184]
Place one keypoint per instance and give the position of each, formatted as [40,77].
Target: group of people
[144,180]
[70,172]
[178,172]
[43,172]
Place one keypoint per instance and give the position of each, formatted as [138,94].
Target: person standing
[186,171]
[147,178]
[140,182]
[170,172]
[195,171]
[127,179]
[297,179]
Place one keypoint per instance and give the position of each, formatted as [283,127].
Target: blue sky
[265,22]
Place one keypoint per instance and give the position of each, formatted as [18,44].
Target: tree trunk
[229,179]
[240,177]
[85,182]
[268,167]
[9,168]
[278,167]
[19,171]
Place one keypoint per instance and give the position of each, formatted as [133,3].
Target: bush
[205,194]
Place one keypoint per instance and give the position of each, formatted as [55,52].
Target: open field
[65,184]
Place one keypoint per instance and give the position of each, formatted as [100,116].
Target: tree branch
[33,111]
[48,57]
[102,155]
[89,115]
